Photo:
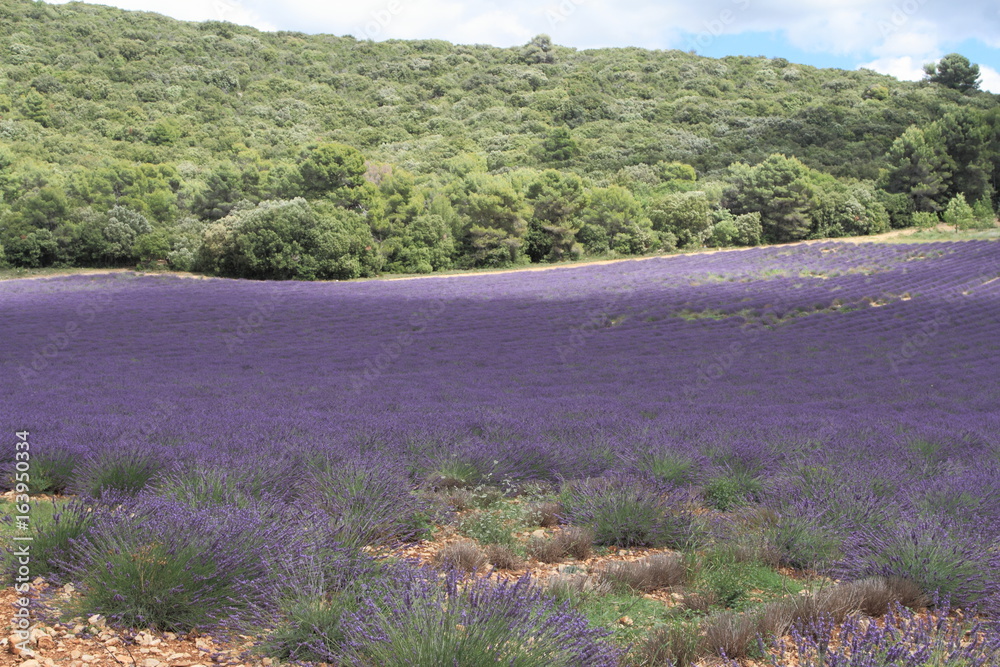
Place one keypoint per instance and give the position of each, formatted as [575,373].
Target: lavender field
[835,405]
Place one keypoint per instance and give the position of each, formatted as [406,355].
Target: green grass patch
[40,516]
[609,609]
[935,235]
[736,583]
[495,525]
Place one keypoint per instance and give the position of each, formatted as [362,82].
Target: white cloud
[990,80]
[907,68]
[897,36]
[197,10]
[904,68]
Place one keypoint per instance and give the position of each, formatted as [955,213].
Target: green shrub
[52,471]
[959,214]
[982,211]
[490,526]
[925,219]
[729,580]
[670,467]
[677,644]
[804,543]
[732,489]
[631,510]
[453,472]
[313,628]
[118,467]
[151,562]
[53,548]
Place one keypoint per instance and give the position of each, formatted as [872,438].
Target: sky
[894,37]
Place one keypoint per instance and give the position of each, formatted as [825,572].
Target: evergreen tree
[559,146]
[781,189]
[918,166]
[954,71]
[964,135]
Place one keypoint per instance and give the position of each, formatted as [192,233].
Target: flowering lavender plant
[154,562]
[937,554]
[902,639]
[417,621]
[631,510]
[368,499]
[121,467]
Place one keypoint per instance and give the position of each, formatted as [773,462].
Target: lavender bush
[846,388]
[368,500]
[154,562]
[941,556]
[631,510]
[198,484]
[482,623]
[52,470]
[902,640]
[122,467]
[55,545]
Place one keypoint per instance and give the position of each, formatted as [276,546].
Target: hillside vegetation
[129,137]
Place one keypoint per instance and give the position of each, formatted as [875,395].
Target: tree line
[129,138]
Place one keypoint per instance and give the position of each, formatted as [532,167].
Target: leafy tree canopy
[954,71]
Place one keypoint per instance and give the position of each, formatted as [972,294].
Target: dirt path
[875,238]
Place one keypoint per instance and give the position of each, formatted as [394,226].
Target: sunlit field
[780,440]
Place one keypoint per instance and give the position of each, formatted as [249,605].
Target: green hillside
[130,137]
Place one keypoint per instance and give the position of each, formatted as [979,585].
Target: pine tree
[918,168]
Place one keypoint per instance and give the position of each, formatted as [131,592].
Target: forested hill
[128,136]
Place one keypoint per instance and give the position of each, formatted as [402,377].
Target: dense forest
[130,138]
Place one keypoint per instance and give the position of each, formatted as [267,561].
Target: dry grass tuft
[676,644]
[649,574]
[730,632]
[572,541]
[463,555]
[575,587]
[458,499]
[546,514]
[546,549]
[873,597]
[577,542]
[775,618]
[503,557]
[700,601]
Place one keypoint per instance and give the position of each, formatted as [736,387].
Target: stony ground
[89,642]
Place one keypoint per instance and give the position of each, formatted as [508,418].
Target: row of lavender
[852,389]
